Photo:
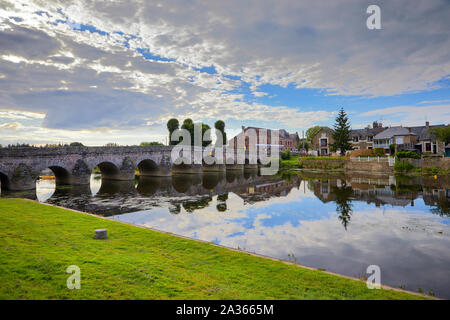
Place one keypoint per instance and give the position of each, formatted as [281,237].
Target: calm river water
[339,223]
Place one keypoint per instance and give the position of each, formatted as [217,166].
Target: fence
[390,160]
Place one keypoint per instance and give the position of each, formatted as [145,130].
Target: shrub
[379,152]
[361,153]
[403,166]
[392,148]
[153,143]
[286,155]
[76,144]
[407,155]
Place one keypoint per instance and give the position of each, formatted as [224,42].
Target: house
[286,140]
[362,139]
[321,142]
[427,142]
[395,136]
[289,140]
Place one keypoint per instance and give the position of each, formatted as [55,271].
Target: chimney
[243,128]
[410,130]
[427,124]
[375,124]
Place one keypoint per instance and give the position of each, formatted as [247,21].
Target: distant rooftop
[393,131]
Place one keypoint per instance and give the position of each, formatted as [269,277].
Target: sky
[116,71]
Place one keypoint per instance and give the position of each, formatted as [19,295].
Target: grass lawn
[291,163]
[38,243]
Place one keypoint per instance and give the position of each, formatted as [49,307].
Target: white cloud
[10,126]
[413,115]
[86,80]
[22,115]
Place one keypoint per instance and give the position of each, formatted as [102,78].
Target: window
[369,138]
[428,147]
[324,152]
[323,142]
[355,139]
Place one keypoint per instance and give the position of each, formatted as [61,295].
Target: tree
[304,144]
[311,132]
[172,125]
[208,139]
[76,144]
[111,144]
[220,125]
[341,134]
[189,125]
[442,133]
[153,143]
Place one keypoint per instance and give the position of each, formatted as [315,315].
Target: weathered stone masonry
[20,167]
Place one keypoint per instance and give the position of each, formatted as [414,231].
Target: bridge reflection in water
[111,197]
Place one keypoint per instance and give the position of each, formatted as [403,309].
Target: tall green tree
[341,134]
[189,125]
[442,133]
[220,126]
[172,125]
[208,139]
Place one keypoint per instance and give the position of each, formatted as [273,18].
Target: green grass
[38,242]
[292,163]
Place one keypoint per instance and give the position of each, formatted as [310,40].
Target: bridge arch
[148,167]
[62,175]
[109,170]
[4,182]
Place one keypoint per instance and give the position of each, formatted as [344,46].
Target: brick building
[263,138]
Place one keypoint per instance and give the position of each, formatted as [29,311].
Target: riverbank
[407,167]
[38,242]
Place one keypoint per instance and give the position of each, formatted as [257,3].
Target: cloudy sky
[116,71]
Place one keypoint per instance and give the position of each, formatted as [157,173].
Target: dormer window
[355,139]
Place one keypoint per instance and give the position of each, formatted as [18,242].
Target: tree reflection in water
[191,206]
[222,202]
[442,208]
[343,194]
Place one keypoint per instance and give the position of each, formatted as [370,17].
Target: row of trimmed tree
[173,125]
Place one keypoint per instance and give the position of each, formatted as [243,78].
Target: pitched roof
[393,131]
[366,132]
[325,129]
[283,133]
[423,133]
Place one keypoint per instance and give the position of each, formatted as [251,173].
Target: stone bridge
[21,167]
